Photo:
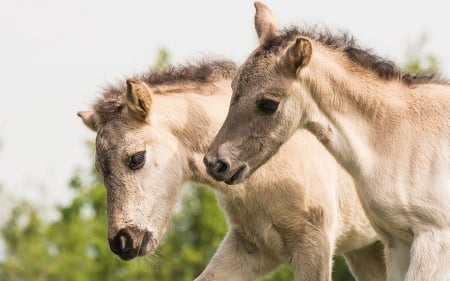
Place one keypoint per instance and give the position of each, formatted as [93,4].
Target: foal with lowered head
[152,134]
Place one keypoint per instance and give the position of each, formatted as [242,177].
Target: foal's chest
[387,210]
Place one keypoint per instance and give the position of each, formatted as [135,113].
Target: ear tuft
[265,23]
[90,119]
[297,55]
[139,100]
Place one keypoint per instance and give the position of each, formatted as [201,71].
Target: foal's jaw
[238,176]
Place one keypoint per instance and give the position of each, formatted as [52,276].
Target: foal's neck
[194,117]
[345,107]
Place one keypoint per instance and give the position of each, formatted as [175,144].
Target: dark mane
[384,68]
[203,72]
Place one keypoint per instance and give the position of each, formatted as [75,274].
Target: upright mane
[343,41]
[203,72]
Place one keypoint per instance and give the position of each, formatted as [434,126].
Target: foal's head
[263,112]
[150,131]
[138,162]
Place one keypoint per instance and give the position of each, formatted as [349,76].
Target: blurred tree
[163,59]
[418,59]
[74,247]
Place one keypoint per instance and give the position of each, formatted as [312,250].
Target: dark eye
[137,160]
[268,106]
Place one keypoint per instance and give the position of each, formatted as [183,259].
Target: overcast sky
[55,56]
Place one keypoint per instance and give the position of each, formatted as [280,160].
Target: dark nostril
[145,241]
[220,167]
[216,167]
[131,242]
[121,243]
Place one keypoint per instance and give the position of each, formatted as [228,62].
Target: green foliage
[340,270]
[418,59]
[163,59]
[74,247]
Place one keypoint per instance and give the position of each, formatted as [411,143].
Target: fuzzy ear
[297,55]
[90,119]
[139,100]
[265,23]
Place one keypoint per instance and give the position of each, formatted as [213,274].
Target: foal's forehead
[107,139]
[255,73]
[114,134]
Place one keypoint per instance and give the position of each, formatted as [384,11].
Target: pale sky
[56,55]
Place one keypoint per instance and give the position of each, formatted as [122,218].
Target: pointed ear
[90,119]
[297,55]
[139,100]
[265,23]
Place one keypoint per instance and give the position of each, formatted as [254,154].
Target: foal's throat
[343,116]
[194,119]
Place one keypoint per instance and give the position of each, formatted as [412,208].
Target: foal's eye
[137,160]
[268,106]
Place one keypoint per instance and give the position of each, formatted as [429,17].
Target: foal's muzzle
[217,168]
[220,169]
[131,242]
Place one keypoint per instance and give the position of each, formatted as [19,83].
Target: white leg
[430,256]
[237,260]
[397,255]
[368,263]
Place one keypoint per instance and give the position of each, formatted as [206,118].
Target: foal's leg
[367,264]
[430,256]
[310,252]
[237,259]
[397,255]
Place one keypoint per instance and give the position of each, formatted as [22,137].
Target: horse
[152,131]
[388,128]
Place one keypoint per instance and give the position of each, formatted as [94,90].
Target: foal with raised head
[390,130]
[151,137]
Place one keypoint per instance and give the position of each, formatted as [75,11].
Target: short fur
[346,43]
[202,73]
[300,216]
[390,130]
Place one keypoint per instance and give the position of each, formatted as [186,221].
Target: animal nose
[130,242]
[216,167]
[122,243]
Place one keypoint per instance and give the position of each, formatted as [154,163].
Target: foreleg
[430,256]
[237,260]
[310,252]
[397,255]
[368,263]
